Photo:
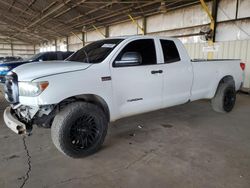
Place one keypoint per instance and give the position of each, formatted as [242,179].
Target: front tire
[224,99]
[79,129]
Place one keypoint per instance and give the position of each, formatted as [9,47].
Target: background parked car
[5,67]
[10,58]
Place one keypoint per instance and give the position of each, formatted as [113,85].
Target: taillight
[242,66]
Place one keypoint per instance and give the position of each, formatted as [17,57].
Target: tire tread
[218,99]
[60,124]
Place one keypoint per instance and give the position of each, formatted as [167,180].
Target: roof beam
[91,21]
[66,24]
[48,13]
[16,26]
[12,4]
[70,8]
[15,7]
[116,13]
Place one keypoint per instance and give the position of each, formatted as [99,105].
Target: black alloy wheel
[79,129]
[229,99]
[84,133]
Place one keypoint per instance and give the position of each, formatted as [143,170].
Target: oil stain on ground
[167,125]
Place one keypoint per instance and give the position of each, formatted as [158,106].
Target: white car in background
[111,79]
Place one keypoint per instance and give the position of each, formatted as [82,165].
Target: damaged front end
[21,118]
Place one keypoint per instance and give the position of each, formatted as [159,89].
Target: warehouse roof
[34,21]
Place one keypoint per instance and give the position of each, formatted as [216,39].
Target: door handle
[156,71]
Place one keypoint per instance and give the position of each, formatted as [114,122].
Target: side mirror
[129,59]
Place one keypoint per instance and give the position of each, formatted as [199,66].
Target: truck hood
[31,71]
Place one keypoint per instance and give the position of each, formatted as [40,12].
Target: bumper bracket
[14,124]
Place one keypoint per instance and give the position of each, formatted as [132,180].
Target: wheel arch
[225,79]
[90,98]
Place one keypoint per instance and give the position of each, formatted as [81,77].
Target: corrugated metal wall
[239,49]
[23,50]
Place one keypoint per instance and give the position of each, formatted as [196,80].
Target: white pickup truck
[111,79]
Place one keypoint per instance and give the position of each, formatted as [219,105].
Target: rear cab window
[170,51]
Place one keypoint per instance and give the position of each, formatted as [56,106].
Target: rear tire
[79,129]
[224,99]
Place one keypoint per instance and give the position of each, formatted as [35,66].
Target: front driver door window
[137,78]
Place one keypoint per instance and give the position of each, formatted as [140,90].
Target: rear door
[178,75]
[137,88]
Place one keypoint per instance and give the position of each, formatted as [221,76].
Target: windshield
[34,57]
[95,52]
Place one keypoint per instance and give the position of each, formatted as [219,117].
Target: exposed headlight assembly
[31,89]
[4,68]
